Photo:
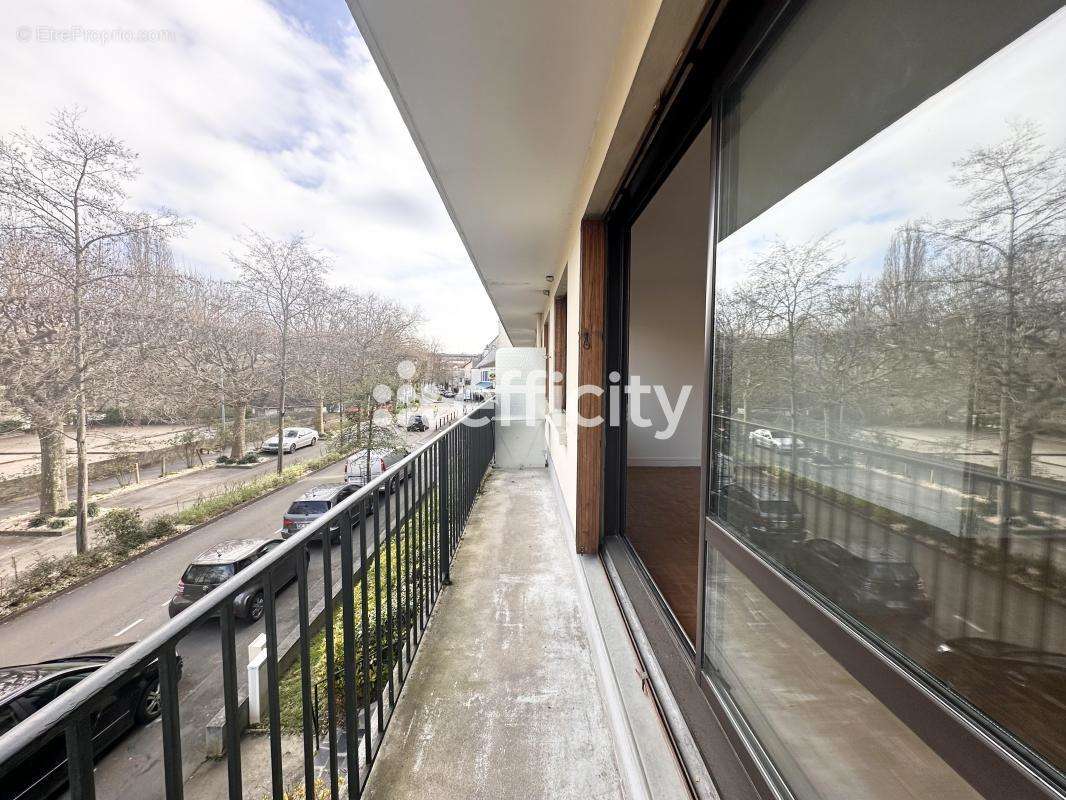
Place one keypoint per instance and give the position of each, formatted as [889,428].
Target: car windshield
[291,433]
[309,507]
[892,571]
[207,573]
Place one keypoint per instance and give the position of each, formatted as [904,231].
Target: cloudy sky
[904,172]
[248,112]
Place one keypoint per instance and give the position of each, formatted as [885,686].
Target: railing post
[443,494]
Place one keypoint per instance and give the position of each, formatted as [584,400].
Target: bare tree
[1004,250]
[69,191]
[284,280]
[218,352]
[36,353]
[789,290]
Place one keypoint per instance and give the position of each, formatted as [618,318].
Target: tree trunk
[281,399]
[53,488]
[320,417]
[1022,461]
[237,446]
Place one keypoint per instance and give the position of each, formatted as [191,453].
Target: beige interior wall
[667,309]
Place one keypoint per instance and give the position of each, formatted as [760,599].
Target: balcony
[460,645]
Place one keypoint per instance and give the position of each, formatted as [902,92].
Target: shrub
[57,523]
[248,458]
[37,521]
[123,529]
[69,511]
[161,527]
[223,460]
[93,509]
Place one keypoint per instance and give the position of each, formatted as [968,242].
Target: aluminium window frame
[694,97]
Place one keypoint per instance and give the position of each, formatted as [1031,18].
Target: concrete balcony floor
[504,699]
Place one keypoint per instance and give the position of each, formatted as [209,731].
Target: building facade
[799,273]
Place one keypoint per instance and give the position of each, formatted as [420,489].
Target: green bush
[223,460]
[37,521]
[72,510]
[123,529]
[56,524]
[248,458]
[161,527]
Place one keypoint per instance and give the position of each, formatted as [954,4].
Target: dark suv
[27,688]
[760,514]
[862,580]
[314,503]
[417,423]
[220,563]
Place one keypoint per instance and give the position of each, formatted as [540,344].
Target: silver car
[292,440]
[314,503]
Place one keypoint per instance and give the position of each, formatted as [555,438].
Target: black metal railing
[395,557]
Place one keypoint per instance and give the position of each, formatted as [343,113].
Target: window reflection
[889,417]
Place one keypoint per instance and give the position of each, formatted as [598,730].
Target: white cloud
[243,117]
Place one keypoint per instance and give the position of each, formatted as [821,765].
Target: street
[968,601]
[125,604]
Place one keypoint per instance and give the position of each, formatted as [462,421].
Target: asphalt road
[128,603]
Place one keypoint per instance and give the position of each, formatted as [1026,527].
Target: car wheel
[254,610]
[292,449]
[149,704]
[314,441]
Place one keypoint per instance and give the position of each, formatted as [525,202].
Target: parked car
[218,564]
[355,472]
[315,502]
[759,513]
[1004,678]
[292,440]
[861,580]
[448,392]
[418,422]
[775,440]
[26,688]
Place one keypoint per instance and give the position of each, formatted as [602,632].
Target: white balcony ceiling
[502,98]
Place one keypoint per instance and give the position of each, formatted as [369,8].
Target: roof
[325,490]
[229,551]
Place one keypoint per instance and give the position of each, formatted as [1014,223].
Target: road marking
[130,626]
[977,628]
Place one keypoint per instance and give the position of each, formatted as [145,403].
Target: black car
[314,503]
[220,563]
[759,513]
[27,688]
[417,422]
[862,580]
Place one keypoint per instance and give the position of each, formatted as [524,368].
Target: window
[890,347]
[207,573]
[309,507]
[560,351]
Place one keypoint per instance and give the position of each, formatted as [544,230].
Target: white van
[380,460]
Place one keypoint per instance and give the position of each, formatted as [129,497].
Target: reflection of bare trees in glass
[789,290]
[1002,264]
[967,320]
